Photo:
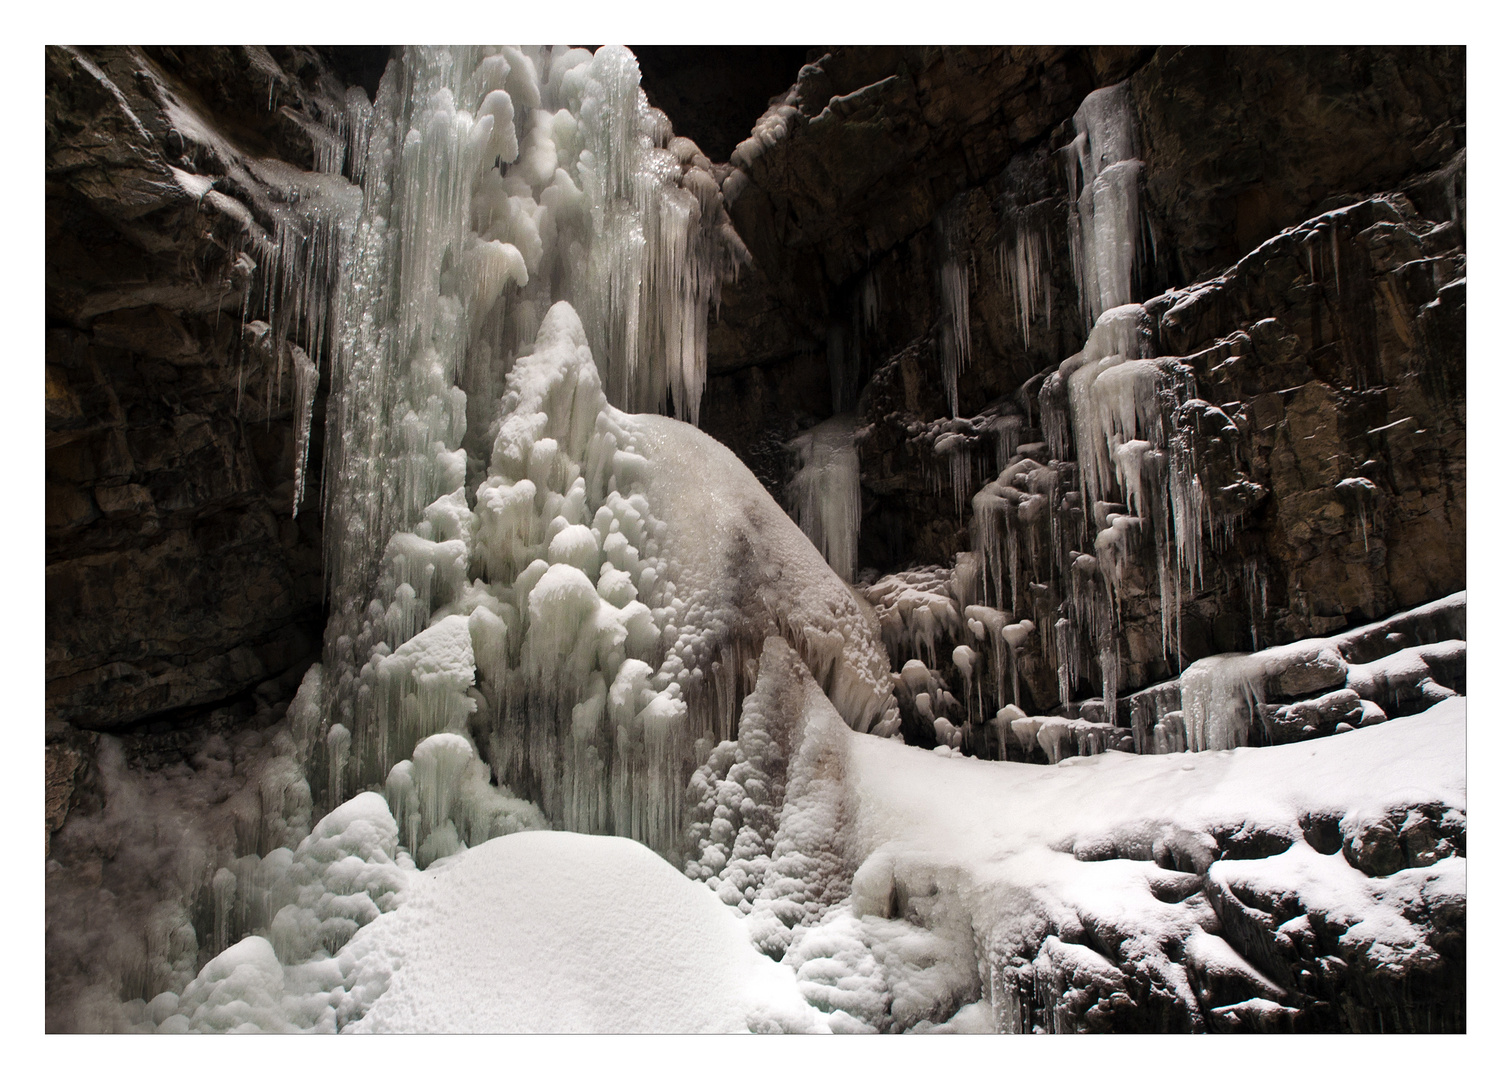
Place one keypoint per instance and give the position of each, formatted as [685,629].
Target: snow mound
[562,932]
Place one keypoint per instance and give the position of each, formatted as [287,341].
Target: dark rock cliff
[1336,346]
[176,575]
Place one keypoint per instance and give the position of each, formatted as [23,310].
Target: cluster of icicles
[1096,486]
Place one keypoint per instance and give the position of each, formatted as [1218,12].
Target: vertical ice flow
[826,491]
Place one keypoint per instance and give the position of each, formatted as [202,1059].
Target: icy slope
[1311,886]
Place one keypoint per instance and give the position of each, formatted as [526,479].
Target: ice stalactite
[1363,495]
[298,269]
[1125,421]
[300,264]
[826,491]
[1022,257]
[1023,275]
[1257,599]
[488,184]
[953,458]
[306,381]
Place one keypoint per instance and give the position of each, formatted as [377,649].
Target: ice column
[1102,174]
[826,491]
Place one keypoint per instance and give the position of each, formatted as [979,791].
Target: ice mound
[559,932]
[769,807]
[535,932]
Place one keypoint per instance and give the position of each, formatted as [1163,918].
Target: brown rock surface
[176,576]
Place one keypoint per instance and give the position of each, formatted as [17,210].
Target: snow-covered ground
[1080,875]
[1099,886]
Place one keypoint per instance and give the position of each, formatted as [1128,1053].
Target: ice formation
[498,574]
[1102,174]
[768,808]
[826,491]
[556,932]
[1022,270]
[955,304]
[495,183]
[1116,494]
[592,618]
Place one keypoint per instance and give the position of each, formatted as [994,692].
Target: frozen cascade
[550,619]
[497,181]
[603,627]
[826,491]
[1103,176]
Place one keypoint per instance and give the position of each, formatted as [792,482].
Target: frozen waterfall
[509,554]
[554,607]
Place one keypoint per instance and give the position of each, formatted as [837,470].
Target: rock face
[874,143]
[1323,318]
[712,92]
[176,575]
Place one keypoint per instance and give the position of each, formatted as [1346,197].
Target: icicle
[955,341]
[1021,257]
[1363,494]
[955,449]
[338,749]
[1255,589]
[306,380]
[223,887]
